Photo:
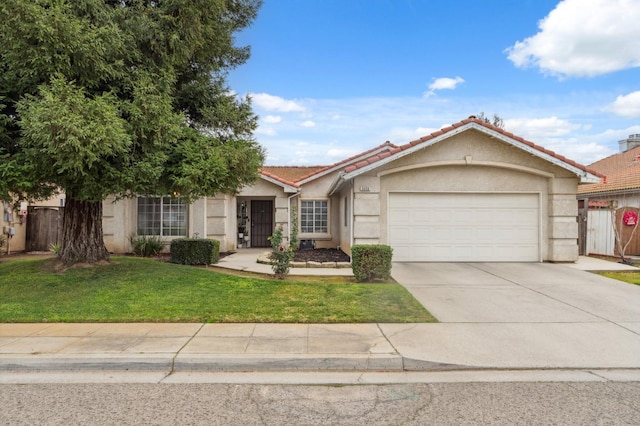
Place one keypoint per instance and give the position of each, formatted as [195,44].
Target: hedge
[195,251]
[371,262]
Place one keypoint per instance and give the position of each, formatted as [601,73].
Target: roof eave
[287,188]
[583,176]
[341,165]
[337,183]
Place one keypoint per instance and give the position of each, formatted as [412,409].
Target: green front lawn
[629,277]
[145,290]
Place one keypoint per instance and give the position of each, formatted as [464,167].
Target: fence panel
[600,235]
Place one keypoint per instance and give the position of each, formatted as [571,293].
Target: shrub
[371,262]
[146,245]
[293,237]
[281,255]
[195,251]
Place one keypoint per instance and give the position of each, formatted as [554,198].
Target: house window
[314,217]
[164,216]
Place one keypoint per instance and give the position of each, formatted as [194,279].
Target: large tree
[121,97]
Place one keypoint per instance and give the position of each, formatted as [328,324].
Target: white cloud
[275,103]
[626,105]
[400,136]
[583,38]
[572,125]
[537,128]
[578,150]
[272,119]
[564,137]
[308,123]
[342,153]
[443,83]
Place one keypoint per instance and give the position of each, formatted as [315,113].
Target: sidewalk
[303,347]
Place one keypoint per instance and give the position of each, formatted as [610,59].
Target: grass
[629,277]
[133,289]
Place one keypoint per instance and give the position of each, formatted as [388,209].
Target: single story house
[467,192]
[617,193]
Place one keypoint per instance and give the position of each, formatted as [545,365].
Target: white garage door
[464,227]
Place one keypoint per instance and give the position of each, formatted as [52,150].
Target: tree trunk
[82,238]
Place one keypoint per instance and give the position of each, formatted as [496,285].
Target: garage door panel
[464,227]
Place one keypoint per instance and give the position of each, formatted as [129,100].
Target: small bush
[55,248]
[280,254]
[146,245]
[195,251]
[371,262]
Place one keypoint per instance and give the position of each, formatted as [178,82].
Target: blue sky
[332,78]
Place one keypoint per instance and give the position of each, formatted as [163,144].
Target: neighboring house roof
[621,171]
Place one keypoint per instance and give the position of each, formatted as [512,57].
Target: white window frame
[315,229]
[170,217]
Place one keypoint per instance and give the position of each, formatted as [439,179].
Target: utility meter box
[9,230]
[306,244]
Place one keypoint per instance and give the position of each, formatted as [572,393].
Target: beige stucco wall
[318,189]
[344,223]
[472,162]
[265,190]
[211,217]
[118,223]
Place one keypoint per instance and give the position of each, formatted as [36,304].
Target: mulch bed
[321,255]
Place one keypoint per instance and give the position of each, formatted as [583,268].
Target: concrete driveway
[517,315]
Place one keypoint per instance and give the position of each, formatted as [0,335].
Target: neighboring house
[619,190]
[35,226]
[468,192]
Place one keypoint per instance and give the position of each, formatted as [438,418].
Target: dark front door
[261,222]
[44,227]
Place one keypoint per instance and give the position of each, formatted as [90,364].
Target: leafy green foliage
[293,237]
[123,97]
[195,251]
[146,245]
[371,262]
[55,248]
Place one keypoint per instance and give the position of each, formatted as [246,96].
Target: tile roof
[621,171]
[471,119]
[293,175]
[289,174]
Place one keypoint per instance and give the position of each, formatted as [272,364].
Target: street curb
[88,362]
[279,362]
[204,362]
[225,362]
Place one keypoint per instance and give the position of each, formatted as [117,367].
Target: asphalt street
[568,403]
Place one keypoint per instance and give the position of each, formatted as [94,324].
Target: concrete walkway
[526,316]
